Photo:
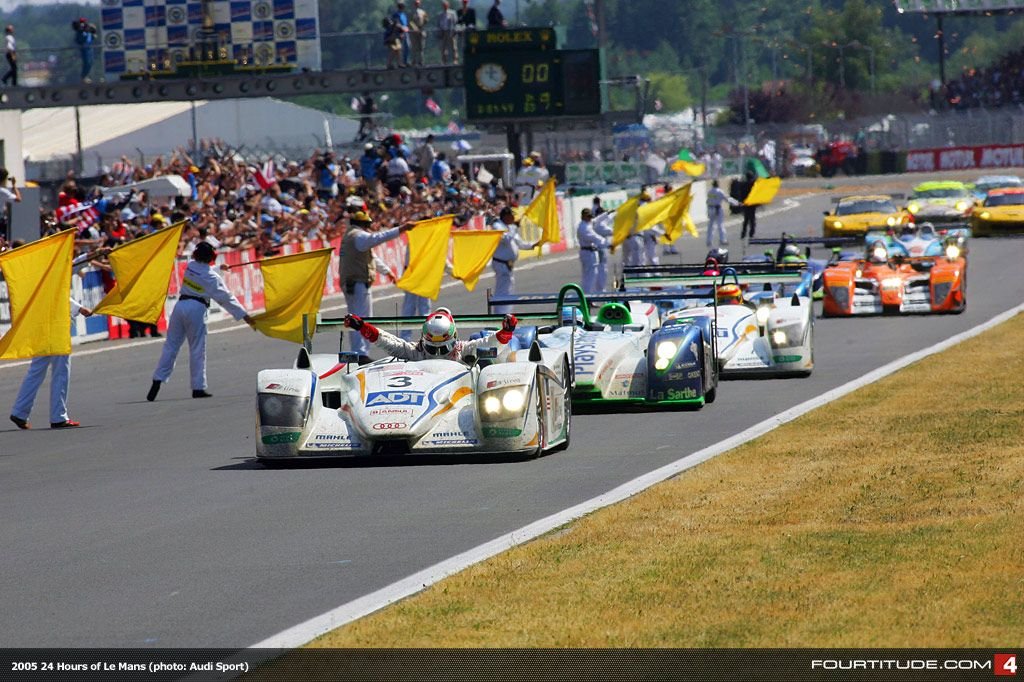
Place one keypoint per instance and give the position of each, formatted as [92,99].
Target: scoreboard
[518,74]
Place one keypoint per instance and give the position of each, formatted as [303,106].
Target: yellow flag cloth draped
[763,191]
[471,252]
[691,168]
[38,278]
[428,250]
[543,212]
[292,285]
[142,269]
[625,219]
[671,210]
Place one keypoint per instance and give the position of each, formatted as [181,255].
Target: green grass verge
[891,517]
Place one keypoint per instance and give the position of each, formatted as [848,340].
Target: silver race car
[505,400]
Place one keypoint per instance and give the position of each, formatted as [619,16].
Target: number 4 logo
[1005,664]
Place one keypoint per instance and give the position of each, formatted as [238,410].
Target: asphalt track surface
[153,526]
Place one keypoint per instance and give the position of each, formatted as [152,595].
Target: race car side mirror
[535,354]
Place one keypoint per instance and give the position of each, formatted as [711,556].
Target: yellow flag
[625,220]
[543,212]
[292,285]
[671,210]
[428,249]
[142,269]
[471,252]
[691,168]
[763,191]
[38,277]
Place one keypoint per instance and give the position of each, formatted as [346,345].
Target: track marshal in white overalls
[506,255]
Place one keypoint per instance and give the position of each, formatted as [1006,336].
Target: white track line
[357,608]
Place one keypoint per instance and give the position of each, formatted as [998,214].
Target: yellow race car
[857,215]
[1001,212]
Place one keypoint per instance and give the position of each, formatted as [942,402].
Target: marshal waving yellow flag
[292,285]
[471,252]
[543,213]
[142,269]
[38,277]
[763,191]
[672,211]
[428,249]
[625,220]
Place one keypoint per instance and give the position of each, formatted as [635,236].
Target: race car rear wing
[802,279]
[312,324]
[808,241]
[836,198]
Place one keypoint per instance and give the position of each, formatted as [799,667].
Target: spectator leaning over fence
[447,22]
[11,54]
[418,32]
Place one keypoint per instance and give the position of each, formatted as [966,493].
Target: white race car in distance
[505,401]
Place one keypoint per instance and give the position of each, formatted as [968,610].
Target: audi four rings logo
[386,426]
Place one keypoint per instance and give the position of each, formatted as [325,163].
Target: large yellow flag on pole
[142,269]
[38,277]
[428,250]
[471,252]
[293,285]
[543,212]
[671,210]
[763,191]
[625,220]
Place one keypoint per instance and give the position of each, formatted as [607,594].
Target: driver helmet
[730,294]
[710,267]
[439,333]
[907,231]
[790,253]
[877,253]
[720,255]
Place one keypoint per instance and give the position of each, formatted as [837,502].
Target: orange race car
[882,283]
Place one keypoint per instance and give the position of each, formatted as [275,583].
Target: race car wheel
[710,395]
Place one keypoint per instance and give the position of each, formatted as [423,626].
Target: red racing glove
[365,329]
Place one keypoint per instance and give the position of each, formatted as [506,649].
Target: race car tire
[710,395]
[567,407]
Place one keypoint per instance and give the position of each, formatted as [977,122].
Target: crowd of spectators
[238,205]
[999,84]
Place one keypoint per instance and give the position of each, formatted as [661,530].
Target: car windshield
[1014,199]
[997,184]
[948,193]
[865,206]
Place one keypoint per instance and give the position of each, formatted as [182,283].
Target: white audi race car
[624,354]
[769,333]
[506,400]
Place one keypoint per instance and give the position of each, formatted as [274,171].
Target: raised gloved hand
[354,322]
[509,323]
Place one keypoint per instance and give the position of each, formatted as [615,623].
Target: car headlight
[513,399]
[879,253]
[952,252]
[892,283]
[779,337]
[858,274]
[661,364]
[762,315]
[962,206]
[492,405]
[914,207]
[666,350]
[985,215]
[890,221]
[838,224]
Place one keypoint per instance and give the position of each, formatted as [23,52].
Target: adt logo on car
[394,398]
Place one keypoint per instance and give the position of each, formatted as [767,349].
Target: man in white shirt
[594,238]
[446,23]
[506,255]
[199,284]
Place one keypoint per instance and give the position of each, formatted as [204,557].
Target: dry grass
[890,518]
